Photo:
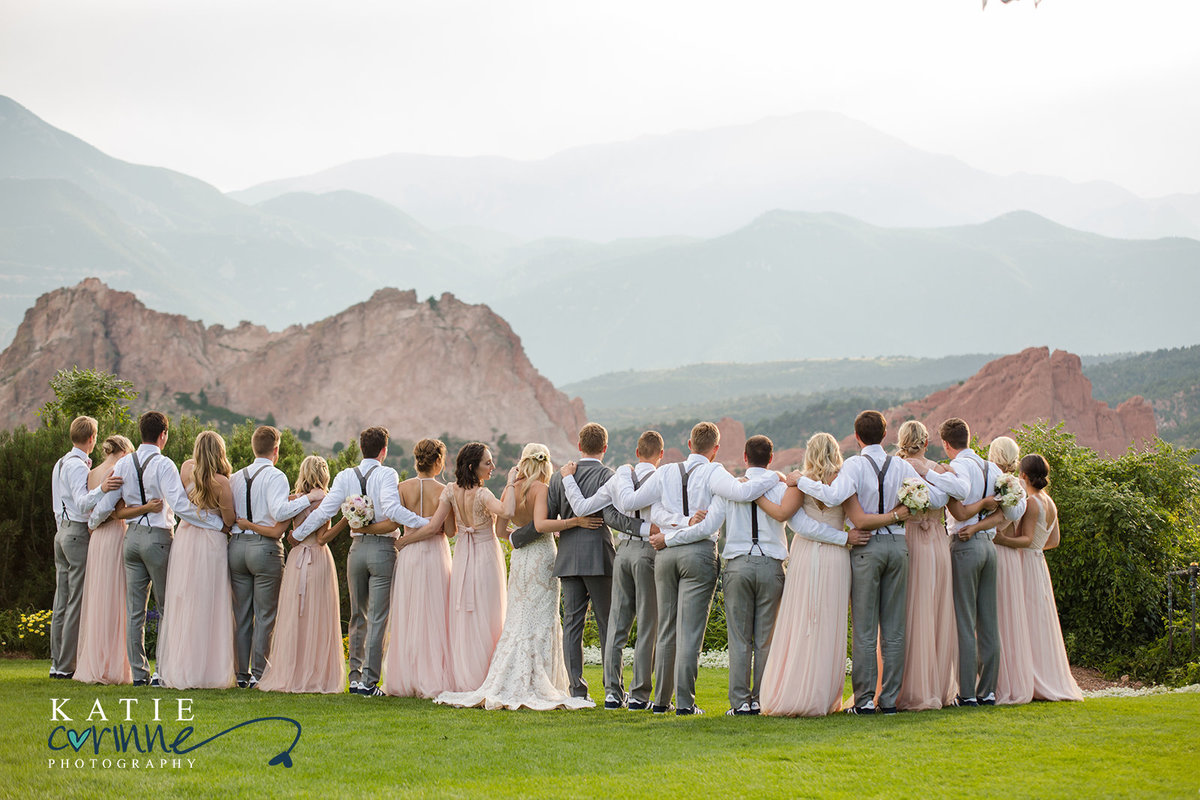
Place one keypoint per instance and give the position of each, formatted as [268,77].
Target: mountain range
[788,285]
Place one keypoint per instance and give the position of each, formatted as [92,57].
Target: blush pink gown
[1052,679]
[931,639]
[306,654]
[1014,683]
[417,661]
[102,653]
[805,675]
[477,590]
[195,644]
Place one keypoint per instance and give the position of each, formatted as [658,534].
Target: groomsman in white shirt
[372,556]
[260,495]
[72,502]
[879,569]
[685,569]
[755,549]
[973,563]
[633,593]
[147,475]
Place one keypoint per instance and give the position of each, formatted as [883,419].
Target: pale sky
[236,92]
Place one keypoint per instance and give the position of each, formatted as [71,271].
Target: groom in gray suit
[585,557]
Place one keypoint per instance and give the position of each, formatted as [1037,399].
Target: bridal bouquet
[358,510]
[914,494]
[1009,490]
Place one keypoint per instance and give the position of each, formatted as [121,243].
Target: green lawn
[360,746]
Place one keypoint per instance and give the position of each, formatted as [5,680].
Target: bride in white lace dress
[527,668]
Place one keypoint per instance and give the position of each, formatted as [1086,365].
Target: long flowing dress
[805,675]
[1052,679]
[306,655]
[1014,683]
[477,589]
[103,657]
[195,644]
[931,639]
[527,669]
[417,660]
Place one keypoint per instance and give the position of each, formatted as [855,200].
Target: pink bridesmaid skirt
[417,660]
[1014,684]
[931,638]
[805,674]
[195,644]
[306,654]
[1052,679]
[477,606]
[103,657]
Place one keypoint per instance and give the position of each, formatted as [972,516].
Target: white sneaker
[743,709]
[355,687]
[755,708]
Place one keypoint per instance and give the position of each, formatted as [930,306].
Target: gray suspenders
[62,497]
[683,477]
[880,473]
[249,481]
[984,469]
[637,484]
[362,479]
[141,468]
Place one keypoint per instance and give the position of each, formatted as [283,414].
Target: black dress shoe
[141,682]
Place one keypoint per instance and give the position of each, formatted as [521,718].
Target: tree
[91,393]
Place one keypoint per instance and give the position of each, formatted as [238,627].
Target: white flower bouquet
[914,494]
[358,510]
[1009,490]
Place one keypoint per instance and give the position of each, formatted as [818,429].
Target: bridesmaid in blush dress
[416,661]
[477,578]
[931,638]
[196,641]
[306,653]
[102,653]
[1014,683]
[805,674]
[1052,678]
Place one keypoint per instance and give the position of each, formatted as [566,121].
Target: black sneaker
[966,702]
[662,709]
[156,681]
[637,705]
[141,682]
[860,711]
[372,691]
[612,701]
[742,710]
[687,712]
[243,684]
[990,700]
[66,676]
[888,710]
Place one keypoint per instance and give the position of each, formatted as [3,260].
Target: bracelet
[896,516]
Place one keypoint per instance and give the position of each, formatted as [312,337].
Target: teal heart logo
[77,739]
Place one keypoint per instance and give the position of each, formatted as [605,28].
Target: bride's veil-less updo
[912,438]
[1004,453]
[535,463]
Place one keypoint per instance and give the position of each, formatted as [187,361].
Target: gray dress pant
[753,586]
[147,551]
[369,577]
[577,590]
[878,602]
[255,572]
[685,578]
[973,570]
[633,597]
[70,565]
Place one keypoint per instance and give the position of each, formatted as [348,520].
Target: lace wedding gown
[527,668]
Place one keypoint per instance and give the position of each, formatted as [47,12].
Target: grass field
[350,745]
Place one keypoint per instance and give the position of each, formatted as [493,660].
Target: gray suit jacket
[582,551]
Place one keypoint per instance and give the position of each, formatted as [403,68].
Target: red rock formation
[733,443]
[420,368]
[1031,386]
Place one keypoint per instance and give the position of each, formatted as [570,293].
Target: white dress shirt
[383,489]
[966,483]
[663,492]
[68,489]
[858,477]
[609,494]
[268,494]
[160,476]
[739,532]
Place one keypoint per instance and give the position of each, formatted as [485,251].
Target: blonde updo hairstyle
[314,474]
[116,444]
[210,461]
[1005,454]
[535,463]
[428,452]
[912,438]
[822,458]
